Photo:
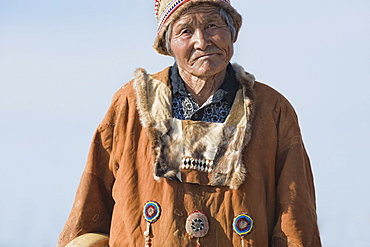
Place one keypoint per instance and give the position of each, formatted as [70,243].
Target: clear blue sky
[61,62]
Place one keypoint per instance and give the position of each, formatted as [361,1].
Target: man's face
[201,42]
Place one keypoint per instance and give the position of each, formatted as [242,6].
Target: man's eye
[185,31]
[211,25]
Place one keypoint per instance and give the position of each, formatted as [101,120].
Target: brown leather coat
[277,189]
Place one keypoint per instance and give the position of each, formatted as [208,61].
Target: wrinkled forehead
[198,17]
[203,12]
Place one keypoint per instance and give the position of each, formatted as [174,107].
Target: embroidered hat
[167,11]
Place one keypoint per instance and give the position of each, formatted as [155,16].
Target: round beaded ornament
[152,211]
[197,224]
[242,224]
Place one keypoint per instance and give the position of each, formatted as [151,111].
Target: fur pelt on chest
[215,148]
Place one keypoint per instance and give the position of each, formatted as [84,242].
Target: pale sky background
[62,61]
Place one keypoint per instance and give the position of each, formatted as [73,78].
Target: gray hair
[224,15]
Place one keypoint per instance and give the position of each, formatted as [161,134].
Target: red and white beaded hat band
[166,11]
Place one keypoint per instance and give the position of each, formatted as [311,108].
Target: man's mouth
[205,56]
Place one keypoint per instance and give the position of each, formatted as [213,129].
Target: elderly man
[199,154]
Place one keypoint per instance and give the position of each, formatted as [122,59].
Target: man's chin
[206,67]
[206,71]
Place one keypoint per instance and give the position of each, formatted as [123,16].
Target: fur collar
[177,145]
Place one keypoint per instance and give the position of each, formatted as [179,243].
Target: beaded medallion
[197,225]
[151,213]
[242,225]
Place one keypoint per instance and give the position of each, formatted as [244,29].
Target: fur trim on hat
[160,43]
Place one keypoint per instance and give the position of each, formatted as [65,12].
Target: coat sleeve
[296,220]
[93,205]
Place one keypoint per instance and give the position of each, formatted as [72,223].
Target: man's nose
[201,39]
